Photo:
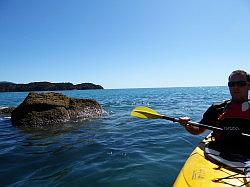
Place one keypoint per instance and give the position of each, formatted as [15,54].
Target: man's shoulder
[213,112]
[221,104]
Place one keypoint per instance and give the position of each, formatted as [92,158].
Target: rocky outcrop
[41,109]
[6,110]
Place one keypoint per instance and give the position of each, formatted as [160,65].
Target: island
[45,86]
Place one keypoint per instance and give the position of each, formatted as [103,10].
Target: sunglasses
[237,83]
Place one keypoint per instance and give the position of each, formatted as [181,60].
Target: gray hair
[240,72]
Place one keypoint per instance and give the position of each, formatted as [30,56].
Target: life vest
[236,110]
[234,120]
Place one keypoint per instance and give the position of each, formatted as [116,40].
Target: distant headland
[45,86]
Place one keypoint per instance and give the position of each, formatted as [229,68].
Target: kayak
[208,166]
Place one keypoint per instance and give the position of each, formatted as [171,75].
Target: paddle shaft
[193,123]
[176,120]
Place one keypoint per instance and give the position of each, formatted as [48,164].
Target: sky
[124,43]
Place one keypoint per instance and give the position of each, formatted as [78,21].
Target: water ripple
[115,150]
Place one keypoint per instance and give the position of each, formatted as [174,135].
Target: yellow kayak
[209,168]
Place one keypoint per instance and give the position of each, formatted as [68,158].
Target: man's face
[238,87]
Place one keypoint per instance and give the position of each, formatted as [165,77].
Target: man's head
[238,83]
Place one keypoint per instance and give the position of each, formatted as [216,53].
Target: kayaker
[232,115]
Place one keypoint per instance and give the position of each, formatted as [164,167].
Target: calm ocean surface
[115,150]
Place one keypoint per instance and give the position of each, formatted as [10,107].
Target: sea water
[114,150]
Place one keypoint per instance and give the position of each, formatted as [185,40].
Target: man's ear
[248,81]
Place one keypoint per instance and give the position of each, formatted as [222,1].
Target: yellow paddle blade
[145,113]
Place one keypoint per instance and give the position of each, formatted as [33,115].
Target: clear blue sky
[124,43]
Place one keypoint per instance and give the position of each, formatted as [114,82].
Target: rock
[41,109]
[6,110]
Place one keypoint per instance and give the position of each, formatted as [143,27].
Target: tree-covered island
[45,86]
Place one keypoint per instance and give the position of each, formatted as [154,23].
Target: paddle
[148,113]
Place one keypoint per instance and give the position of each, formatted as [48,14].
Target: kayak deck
[198,171]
